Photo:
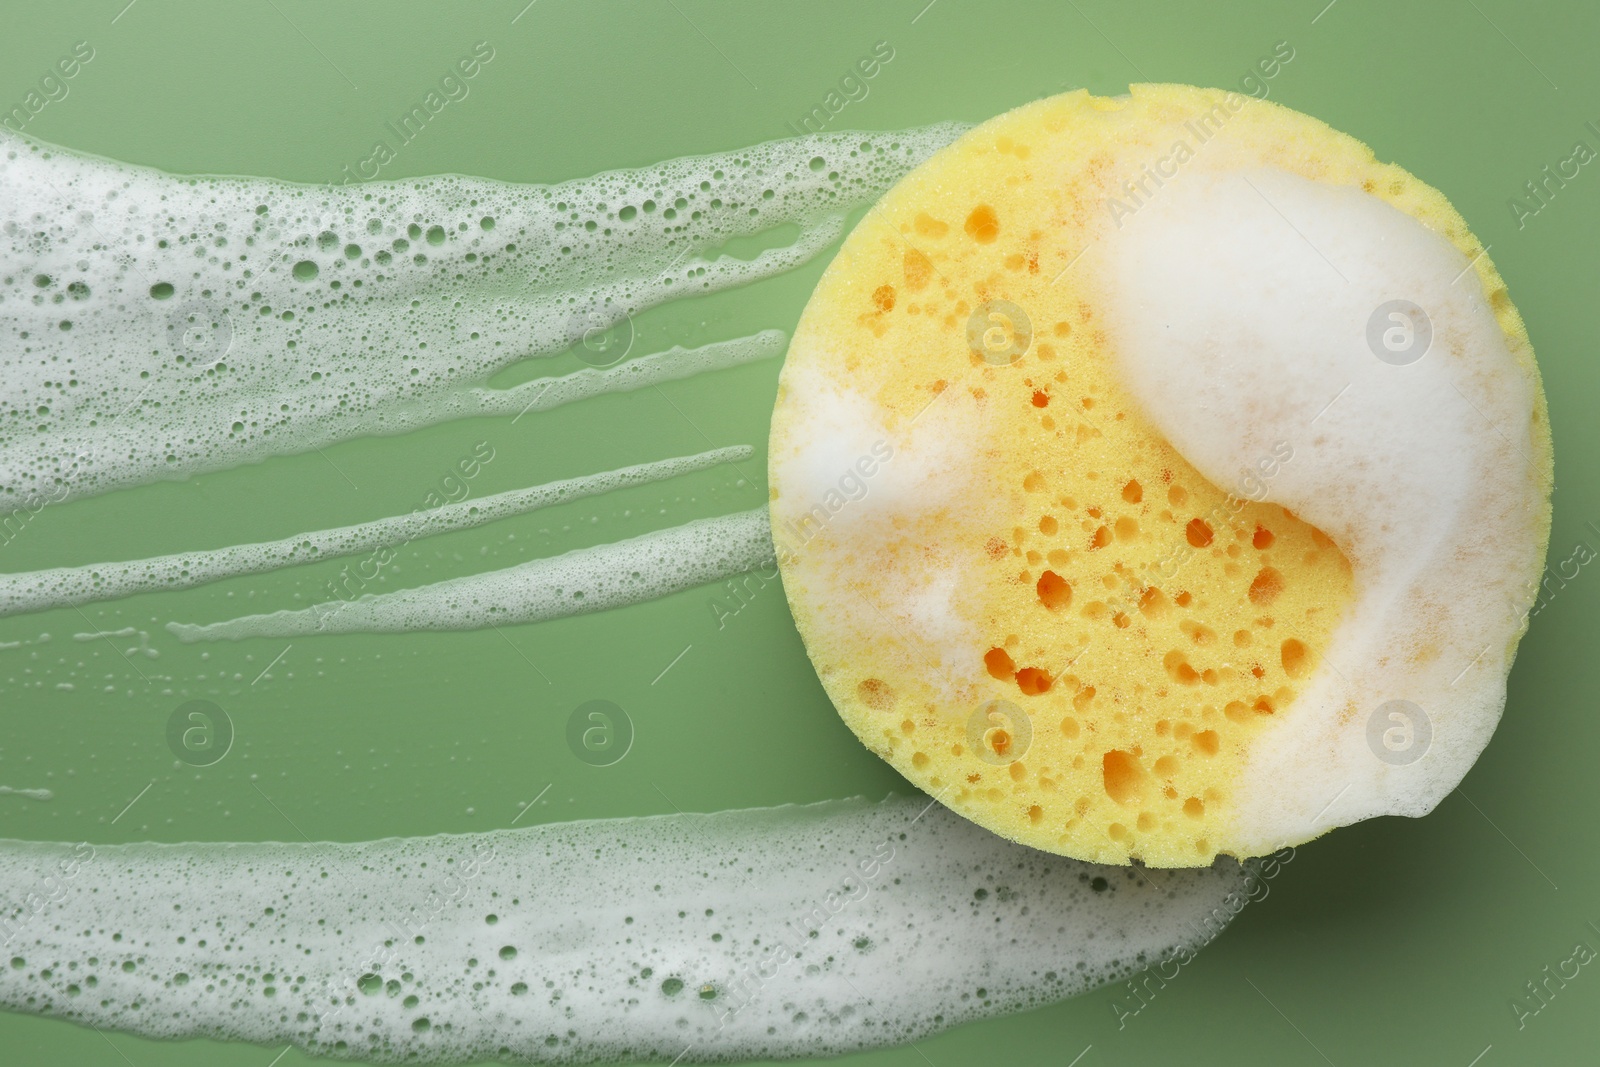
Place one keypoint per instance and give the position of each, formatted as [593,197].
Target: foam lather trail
[767,933]
[64,586]
[576,583]
[154,326]
[671,365]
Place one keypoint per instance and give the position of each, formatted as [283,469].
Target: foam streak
[586,580]
[65,586]
[768,933]
[153,326]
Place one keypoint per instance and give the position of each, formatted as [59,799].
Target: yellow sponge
[1013,587]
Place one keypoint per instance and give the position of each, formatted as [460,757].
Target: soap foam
[154,326]
[739,935]
[1238,305]
[576,583]
[921,467]
[64,586]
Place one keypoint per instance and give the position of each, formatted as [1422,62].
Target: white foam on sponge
[848,472]
[859,483]
[63,586]
[1238,304]
[585,580]
[769,933]
[154,326]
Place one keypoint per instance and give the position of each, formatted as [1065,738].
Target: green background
[1393,942]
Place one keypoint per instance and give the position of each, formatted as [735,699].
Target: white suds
[62,586]
[31,794]
[588,579]
[781,932]
[154,326]
[857,484]
[1252,308]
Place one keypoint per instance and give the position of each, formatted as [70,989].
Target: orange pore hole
[1033,681]
[983,225]
[1000,664]
[1055,592]
[1266,586]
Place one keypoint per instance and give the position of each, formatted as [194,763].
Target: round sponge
[1160,477]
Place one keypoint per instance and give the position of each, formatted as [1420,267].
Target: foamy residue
[588,579]
[153,326]
[765,933]
[1249,308]
[64,586]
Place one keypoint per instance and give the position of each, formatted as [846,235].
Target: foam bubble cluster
[578,582]
[153,326]
[749,934]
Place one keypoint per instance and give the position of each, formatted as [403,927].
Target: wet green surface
[1397,941]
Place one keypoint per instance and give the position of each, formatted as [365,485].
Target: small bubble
[161,290]
[305,270]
